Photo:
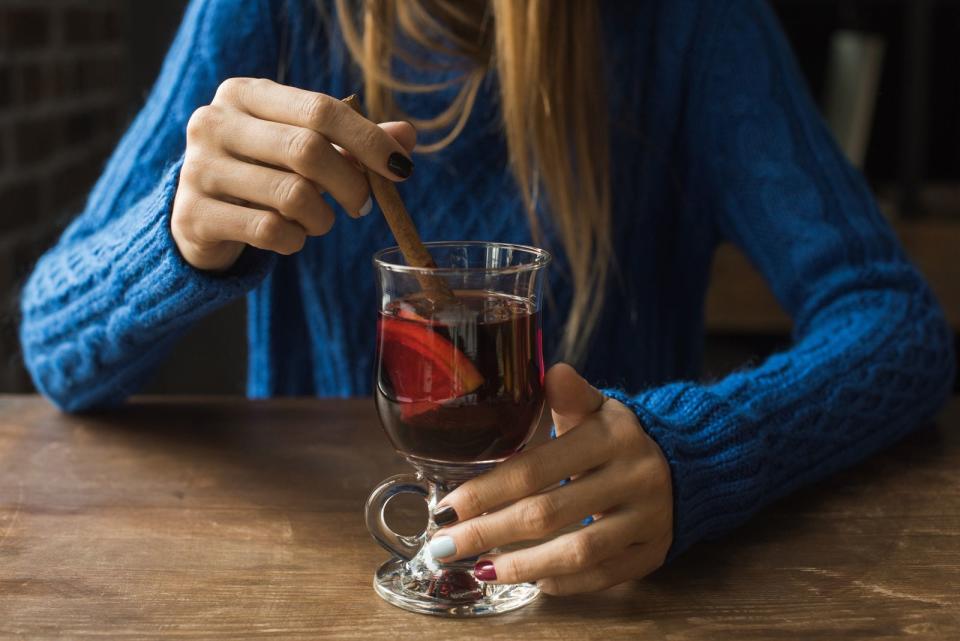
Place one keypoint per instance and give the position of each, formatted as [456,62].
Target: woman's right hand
[258,159]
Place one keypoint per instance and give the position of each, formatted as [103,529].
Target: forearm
[103,305]
[100,311]
[868,368]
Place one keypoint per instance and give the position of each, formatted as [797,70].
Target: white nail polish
[367,207]
[442,547]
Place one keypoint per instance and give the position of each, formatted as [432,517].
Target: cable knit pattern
[713,137]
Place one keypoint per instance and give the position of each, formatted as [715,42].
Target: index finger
[336,121]
[531,471]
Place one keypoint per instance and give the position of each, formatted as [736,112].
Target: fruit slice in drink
[425,368]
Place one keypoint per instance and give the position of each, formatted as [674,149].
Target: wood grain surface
[229,519]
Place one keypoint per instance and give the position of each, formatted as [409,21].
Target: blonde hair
[547,56]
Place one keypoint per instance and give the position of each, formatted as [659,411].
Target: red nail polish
[484,571]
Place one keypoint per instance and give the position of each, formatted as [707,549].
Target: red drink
[460,383]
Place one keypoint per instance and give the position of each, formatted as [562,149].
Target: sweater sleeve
[103,306]
[872,354]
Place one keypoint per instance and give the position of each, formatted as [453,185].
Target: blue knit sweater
[714,138]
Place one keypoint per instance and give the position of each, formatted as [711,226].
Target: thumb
[403,132]
[571,398]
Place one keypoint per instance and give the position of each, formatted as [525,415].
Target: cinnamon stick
[404,231]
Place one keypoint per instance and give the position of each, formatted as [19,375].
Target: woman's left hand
[619,474]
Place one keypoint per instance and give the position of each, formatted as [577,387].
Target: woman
[629,139]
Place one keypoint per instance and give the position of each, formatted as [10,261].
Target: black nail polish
[400,165]
[445,516]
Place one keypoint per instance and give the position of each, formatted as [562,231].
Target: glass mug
[459,388]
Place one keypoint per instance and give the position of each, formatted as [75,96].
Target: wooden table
[228,519]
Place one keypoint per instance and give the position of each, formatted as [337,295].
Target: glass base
[449,591]
[423,584]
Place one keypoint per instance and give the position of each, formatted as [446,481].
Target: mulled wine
[459,382]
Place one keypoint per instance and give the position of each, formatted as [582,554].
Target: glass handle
[405,547]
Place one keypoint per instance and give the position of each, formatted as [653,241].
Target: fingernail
[400,165]
[484,571]
[445,516]
[442,547]
[367,207]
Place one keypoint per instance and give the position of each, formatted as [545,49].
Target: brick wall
[62,104]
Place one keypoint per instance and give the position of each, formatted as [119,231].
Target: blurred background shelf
[740,302]
[885,74]
[912,129]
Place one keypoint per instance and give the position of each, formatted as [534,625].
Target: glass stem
[442,479]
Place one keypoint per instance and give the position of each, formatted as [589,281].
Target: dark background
[73,74]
